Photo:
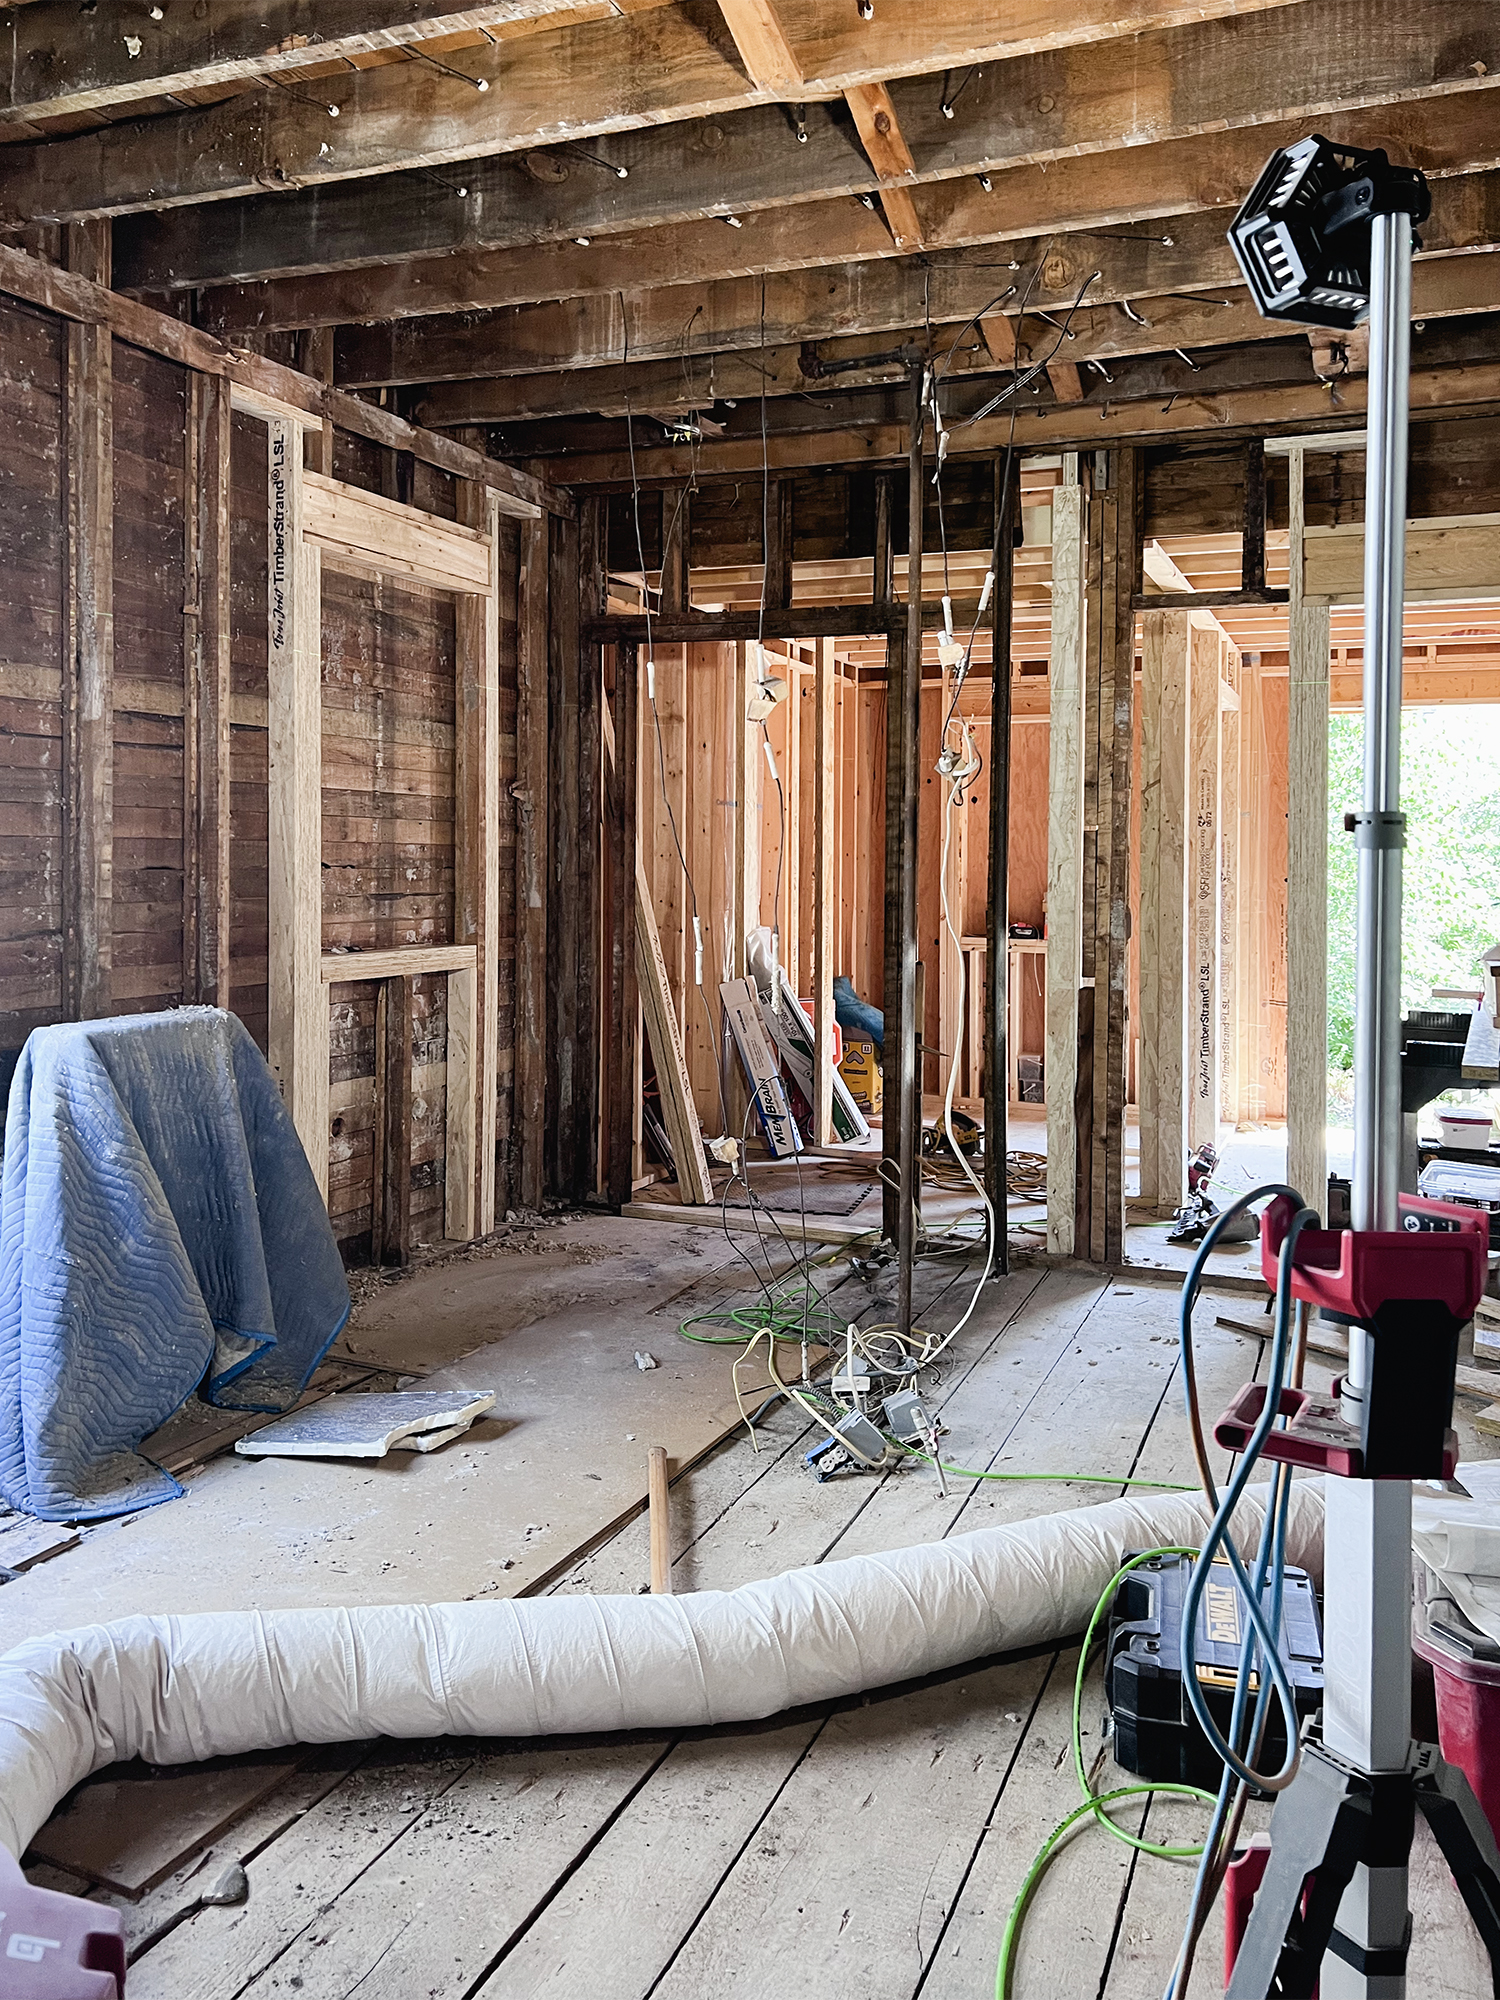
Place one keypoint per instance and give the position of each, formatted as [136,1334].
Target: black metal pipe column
[997,922]
[909,1062]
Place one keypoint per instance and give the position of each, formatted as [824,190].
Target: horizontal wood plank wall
[388,729]
[33,593]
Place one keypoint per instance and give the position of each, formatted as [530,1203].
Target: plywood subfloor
[866,1851]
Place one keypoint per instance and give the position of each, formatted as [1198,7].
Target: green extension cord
[1094,1803]
[1049,1478]
[795,1311]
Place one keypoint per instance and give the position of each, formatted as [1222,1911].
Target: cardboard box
[860,1070]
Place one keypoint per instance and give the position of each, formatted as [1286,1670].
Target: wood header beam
[1249,411]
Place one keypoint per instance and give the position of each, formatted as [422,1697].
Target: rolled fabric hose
[174,1690]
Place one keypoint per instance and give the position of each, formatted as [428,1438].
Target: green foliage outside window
[1450,792]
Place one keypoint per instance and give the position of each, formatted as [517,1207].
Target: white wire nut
[770,759]
[650,678]
[948,617]
[988,592]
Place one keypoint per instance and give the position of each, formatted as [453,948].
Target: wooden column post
[825,893]
[677,522]
[88,688]
[297,1038]
[1203,890]
[884,582]
[206,742]
[1064,856]
[620,945]
[588,806]
[315,358]
[1250,897]
[531,866]
[393,1092]
[575,583]
[1113,570]
[778,549]
[470,1189]
[997,1052]
[1164,679]
[1229,883]
[1306,870]
[903,1064]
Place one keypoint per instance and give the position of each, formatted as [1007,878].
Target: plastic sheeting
[177,1689]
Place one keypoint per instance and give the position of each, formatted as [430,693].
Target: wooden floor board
[662,1861]
[1067,1934]
[871,1853]
[219,1952]
[846,1887]
[417,1920]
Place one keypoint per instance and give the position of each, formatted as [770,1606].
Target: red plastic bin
[1466,1672]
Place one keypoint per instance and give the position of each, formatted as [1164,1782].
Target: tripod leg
[1318,1825]
[1463,1833]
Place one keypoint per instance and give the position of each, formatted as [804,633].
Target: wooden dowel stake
[661,1530]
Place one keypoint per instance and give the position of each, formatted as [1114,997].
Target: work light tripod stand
[1326,236]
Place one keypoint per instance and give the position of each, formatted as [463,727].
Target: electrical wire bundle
[1258,1585]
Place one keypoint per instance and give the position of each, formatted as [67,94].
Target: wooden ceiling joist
[880,134]
[403,217]
[1256,411]
[817,304]
[68,60]
[679,62]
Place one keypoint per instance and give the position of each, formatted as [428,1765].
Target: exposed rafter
[679,62]
[801,236]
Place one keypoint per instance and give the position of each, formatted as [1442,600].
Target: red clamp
[1315,1436]
[1442,1254]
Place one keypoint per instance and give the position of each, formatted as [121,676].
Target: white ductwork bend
[176,1689]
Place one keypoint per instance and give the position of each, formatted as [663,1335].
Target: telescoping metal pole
[1367,1534]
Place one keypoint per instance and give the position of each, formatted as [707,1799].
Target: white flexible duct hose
[174,1690]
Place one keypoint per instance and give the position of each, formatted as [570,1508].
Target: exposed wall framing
[274,714]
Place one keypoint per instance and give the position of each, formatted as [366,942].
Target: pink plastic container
[1466,1673]
[55,1947]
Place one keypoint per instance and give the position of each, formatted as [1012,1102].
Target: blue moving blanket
[160,1229]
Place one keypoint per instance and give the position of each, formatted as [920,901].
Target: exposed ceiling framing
[712,232]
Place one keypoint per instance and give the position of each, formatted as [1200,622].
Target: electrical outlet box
[908,1418]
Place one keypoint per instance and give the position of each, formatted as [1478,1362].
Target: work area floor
[866,1850]
[806,1194]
